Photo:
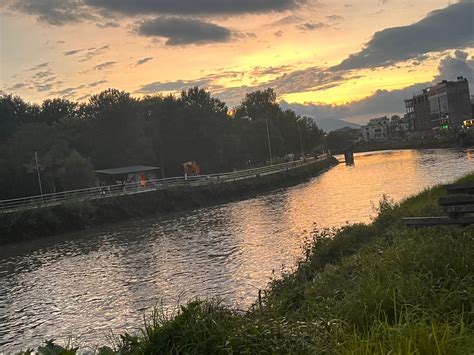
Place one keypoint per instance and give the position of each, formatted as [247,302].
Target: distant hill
[331,124]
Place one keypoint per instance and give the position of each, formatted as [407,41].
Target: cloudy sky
[327,58]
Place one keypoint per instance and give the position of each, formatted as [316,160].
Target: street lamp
[299,134]
[268,139]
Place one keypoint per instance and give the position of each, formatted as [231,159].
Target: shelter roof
[126,170]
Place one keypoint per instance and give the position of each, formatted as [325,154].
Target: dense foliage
[114,129]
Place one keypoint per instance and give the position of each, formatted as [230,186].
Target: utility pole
[268,139]
[39,177]
[301,141]
[161,162]
[299,134]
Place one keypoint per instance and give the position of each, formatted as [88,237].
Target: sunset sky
[327,58]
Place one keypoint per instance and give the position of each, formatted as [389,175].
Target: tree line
[114,129]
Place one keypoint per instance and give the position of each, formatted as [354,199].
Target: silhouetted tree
[76,172]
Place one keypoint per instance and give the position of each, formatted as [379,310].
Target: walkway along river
[89,283]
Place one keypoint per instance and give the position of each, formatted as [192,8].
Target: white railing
[31,202]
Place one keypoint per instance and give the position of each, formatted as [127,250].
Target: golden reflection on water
[276,226]
[469,155]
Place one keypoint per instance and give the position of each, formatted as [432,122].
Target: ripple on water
[91,283]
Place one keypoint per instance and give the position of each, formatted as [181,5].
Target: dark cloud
[43,87]
[105,65]
[177,85]
[143,61]
[311,26]
[287,20]
[243,35]
[278,33]
[73,51]
[93,52]
[421,57]
[277,70]
[48,79]
[448,28]
[96,83]
[109,24]
[67,92]
[334,18]
[193,7]
[54,12]
[42,74]
[182,31]
[17,86]
[43,81]
[451,67]
[39,66]
[308,79]
[61,12]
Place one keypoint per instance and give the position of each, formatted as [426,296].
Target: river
[83,286]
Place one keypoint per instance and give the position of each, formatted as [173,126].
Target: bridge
[52,199]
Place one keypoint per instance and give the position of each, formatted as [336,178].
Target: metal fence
[149,185]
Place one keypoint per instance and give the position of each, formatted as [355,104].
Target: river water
[83,286]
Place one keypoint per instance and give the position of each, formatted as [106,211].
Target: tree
[76,172]
[341,139]
[117,135]
[54,110]
[14,112]
[259,105]
[202,99]
[114,129]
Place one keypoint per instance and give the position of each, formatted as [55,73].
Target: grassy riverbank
[378,288]
[76,215]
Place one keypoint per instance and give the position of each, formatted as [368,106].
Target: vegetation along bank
[363,289]
[77,215]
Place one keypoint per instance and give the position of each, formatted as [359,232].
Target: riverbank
[363,289]
[465,141]
[77,215]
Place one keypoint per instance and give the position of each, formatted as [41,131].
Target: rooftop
[126,170]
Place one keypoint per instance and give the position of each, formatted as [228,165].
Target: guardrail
[150,185]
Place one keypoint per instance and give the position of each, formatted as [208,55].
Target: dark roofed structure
[139,174]
[126,170]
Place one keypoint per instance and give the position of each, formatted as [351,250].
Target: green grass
[379,288]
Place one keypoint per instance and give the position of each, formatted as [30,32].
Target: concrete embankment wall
[77,215]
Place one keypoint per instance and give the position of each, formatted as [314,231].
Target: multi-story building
[450,103]
[418,111]
[376,129]
[444,105]
[398,127]
[383,128]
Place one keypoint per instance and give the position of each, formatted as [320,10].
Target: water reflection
[95,281]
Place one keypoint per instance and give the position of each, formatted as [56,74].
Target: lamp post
[299,134]
[39,177]
[268,139]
